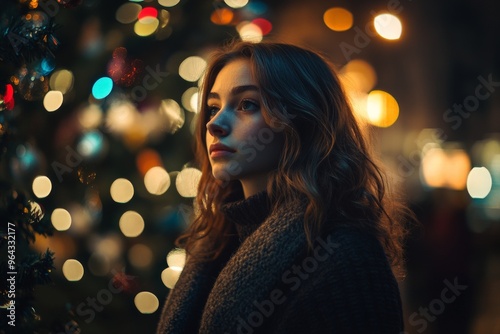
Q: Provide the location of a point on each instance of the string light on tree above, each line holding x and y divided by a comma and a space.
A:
42, 186
131, 224
61, 219
122, 190
72, 270
157, 180
53, 100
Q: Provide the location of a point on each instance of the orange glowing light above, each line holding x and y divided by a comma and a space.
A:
222, 16
148, 159
338, 19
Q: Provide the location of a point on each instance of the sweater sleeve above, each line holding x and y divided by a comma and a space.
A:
345, 286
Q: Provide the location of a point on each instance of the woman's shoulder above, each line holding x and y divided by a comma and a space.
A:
350, 250
344, 285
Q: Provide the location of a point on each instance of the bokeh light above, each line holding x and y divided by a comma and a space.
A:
121, 116
192, 68
53, 100
222, 16
358, 75
485, 152
110, 246
388, 26
479, 182
459, 166
168, 3
146, 302
164, 30
190, 99
26, 158
157, 181
236, 3
194, 101
359, 105
140, 256
187, 182
42, 186
176, 258
131, 224
61, 80
61, 219
148, 12
257, 7
147, 159
174, 116
91, 116
128, 12
72, 270
99, 265
91, 144
338, 19
122, 190
264, 25
81, 218
102, 88
382, 109
146, 26
445, 168
47, 65
170, 276
432, 168
249, 32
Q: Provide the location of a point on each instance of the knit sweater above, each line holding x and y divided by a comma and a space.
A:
269, 283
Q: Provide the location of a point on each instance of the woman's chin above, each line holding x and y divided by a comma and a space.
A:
222, 174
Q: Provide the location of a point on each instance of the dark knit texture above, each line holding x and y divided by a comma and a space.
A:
268, 283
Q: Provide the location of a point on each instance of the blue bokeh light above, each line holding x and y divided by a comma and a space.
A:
47, 65
257, 7
91, 144
102, 88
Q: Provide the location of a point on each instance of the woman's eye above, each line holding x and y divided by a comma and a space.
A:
212, 111
249, 105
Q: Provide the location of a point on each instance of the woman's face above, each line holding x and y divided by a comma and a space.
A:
240, 145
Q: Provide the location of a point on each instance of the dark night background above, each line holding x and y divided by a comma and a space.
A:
447, 48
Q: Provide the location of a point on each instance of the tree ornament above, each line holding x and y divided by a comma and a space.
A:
27, 38
7, 98
31, 84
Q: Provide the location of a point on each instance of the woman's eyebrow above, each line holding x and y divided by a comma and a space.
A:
235, 91
240, 89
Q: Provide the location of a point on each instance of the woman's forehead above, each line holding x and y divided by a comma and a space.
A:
235, 73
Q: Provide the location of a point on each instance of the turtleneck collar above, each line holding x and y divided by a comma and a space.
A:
247, 214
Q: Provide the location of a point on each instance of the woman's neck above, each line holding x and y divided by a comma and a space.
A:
254, 184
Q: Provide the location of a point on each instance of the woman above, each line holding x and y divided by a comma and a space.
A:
293, 232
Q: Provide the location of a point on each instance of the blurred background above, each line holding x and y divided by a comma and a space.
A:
98, 102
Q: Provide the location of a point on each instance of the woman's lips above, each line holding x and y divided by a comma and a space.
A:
220, 150
220, 153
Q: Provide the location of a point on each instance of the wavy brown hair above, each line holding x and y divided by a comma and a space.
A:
325, 158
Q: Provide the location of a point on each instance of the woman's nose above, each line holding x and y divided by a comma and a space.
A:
217, 127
